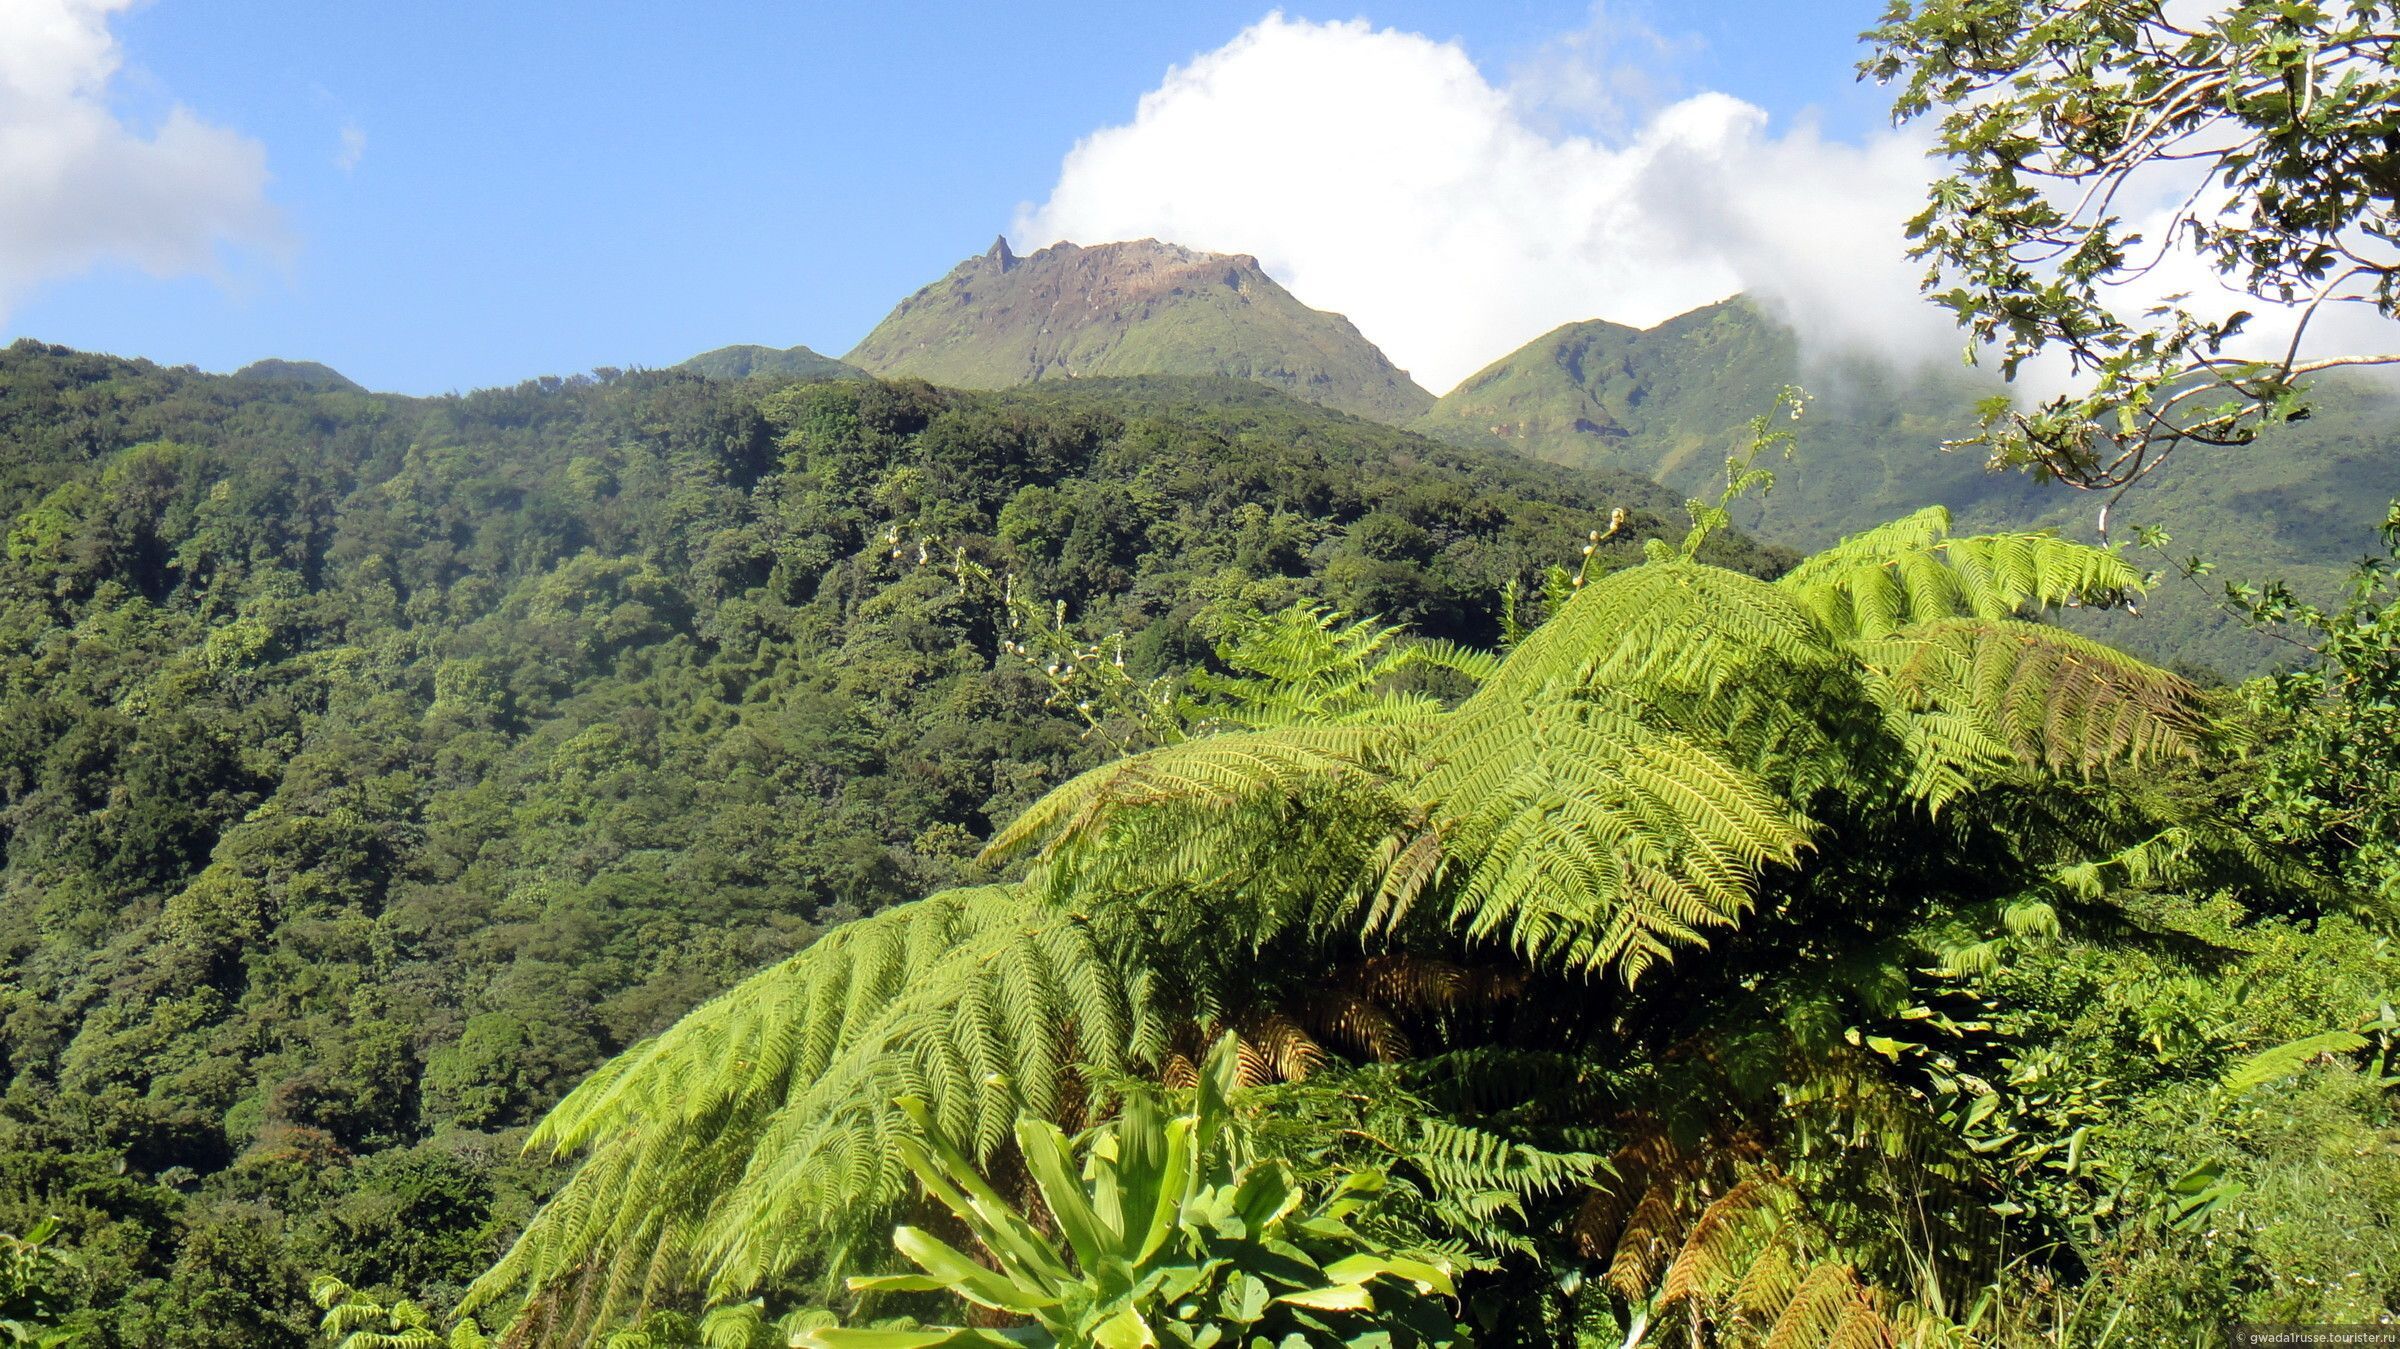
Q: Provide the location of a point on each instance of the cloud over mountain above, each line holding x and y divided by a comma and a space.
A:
83, 186
1381, 174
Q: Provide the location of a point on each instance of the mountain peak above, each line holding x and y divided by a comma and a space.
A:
1132, 307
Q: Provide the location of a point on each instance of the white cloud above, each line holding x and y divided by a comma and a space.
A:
354, 147
82, 187
1610, 75
1381, 174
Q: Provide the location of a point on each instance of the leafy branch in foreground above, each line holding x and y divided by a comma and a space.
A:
2097, 146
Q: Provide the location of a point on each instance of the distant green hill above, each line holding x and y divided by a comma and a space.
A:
1139, 308
310, 374
743, 360
1671, 402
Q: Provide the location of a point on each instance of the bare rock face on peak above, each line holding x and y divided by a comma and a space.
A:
1138, 308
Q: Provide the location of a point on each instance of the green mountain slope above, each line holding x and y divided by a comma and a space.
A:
1138, 308
1673, 400
744, 360
372, 767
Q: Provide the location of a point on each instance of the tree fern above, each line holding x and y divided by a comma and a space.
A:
1595, 840
1321, 865
761, 1129
1972, 695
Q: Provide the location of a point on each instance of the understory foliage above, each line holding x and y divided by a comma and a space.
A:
1674, 969
32, 1289
2332, 786
1166, 1235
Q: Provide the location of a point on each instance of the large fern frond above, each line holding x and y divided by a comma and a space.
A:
760, 1130
1914, 571
1671, 624
1971, 695
1210, 774
1588, 838
1731, 1249
1304, 665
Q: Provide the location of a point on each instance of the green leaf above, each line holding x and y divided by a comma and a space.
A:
949, 1177
895, 1283
1126, 1329
1244, 1298
1343, 1298
2286, 1060
1053, 1170
965, 1277
833, 1337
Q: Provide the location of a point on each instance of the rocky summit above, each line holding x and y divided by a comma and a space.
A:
1136, 308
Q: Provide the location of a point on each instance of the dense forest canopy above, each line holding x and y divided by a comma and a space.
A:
372, 768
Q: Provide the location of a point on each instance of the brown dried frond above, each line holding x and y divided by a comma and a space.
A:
1358, 1024
1271, 1047
1420, 984
1651, 1233
1727, 1238
1833, 1309
1768, 1285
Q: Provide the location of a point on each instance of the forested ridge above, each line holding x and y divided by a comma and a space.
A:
1669, 401
371, 767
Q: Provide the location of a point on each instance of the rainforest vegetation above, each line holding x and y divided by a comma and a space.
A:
1848, 957
375, 768
1641, 929
758, 855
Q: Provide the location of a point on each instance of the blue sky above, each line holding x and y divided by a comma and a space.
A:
457, 195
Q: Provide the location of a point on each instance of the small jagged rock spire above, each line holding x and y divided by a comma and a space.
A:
1000, 256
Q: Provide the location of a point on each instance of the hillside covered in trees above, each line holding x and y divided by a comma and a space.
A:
1669, 402
373, 768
